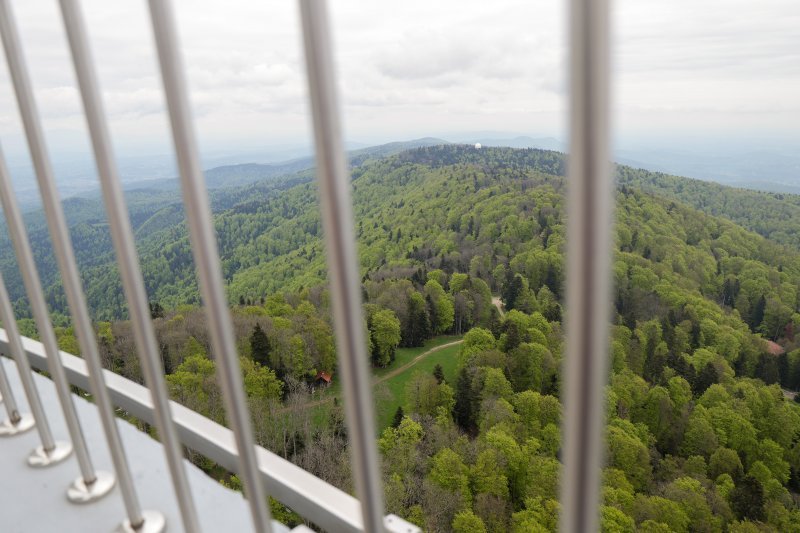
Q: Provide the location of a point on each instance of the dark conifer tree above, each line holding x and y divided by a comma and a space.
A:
553, 312
260, 347
747, 499
419, 324
767, 369
705, 378
434, 317
552, 281
654, 361
438, 373
682, 367
757, 316
156, 311
166, 360
463, 412
514, 337
495, 322
727, 292
398, 417
511, 289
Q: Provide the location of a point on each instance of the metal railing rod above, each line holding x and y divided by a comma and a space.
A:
8, 397
343, 269
12, 409
33, 288
589, 245
50, 452
127, 259
65, 257
204, 248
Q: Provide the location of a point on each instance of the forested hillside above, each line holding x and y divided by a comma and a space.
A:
157, 217
700, 435
270, 243
773, 215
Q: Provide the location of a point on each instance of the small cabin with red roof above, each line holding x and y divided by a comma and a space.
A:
323, 378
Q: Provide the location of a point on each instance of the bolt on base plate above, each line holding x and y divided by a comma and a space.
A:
154, 522
40, 458
9, 428
80, 492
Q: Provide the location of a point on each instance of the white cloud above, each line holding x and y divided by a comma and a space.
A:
418, 68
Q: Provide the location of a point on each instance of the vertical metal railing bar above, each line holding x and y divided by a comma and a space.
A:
17, 422
33, 288
10, 402
127, 259
343, 268
49, 452
12, 409
8, 398
589, 245
65, 257
206, 257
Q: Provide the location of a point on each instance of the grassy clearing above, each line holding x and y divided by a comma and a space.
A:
402, 357
406, 355
391, 394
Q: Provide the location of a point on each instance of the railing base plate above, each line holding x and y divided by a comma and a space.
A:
395, 524
154, 522
9, 428
80, 492
41, 458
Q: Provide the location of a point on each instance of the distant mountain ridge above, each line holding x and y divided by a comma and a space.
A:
246, 173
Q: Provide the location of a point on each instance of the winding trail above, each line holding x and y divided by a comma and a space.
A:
417, 359
397, 371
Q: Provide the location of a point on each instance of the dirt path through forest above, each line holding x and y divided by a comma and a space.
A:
417, 359
393, 373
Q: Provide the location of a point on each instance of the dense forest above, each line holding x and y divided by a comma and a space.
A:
269, 230
701, 434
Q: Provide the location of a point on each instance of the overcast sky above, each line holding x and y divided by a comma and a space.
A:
686, 68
